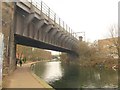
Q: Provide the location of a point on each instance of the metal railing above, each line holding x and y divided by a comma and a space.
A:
52, 15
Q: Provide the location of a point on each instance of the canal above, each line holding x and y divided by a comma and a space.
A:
60, 75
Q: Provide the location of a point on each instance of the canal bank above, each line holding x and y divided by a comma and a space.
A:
60, 75
22, 77
40, 80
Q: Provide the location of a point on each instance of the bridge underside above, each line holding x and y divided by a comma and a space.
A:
38, 44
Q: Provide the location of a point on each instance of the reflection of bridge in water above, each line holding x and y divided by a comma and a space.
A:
36, 25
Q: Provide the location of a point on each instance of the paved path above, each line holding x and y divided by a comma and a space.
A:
22, 78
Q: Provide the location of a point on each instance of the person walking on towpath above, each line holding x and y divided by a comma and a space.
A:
20, 62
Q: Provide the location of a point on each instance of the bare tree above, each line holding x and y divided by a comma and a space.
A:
115, 39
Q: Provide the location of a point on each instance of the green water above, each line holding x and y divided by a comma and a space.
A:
74, 76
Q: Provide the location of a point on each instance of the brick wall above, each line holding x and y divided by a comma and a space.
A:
33, 53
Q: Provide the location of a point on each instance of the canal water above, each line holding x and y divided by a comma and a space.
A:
73, 76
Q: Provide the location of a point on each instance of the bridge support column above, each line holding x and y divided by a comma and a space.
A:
12, 52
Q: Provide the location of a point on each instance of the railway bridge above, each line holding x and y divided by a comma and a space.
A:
35, 24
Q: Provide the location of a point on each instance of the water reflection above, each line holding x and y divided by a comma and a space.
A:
72, 76
53, 72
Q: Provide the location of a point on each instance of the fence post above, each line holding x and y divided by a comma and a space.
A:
63, 25
69, 30
54, 18
48, 13
41, 6
36, 4
59, 22
66, 27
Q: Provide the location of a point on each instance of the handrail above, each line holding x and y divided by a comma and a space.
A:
39, 4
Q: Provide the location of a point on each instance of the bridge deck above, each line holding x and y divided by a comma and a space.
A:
22, 78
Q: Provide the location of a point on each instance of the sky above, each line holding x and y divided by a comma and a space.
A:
94, 17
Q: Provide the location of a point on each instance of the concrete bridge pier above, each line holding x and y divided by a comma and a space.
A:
12, 42
12, 53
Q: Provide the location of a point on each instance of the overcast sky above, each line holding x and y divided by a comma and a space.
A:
94, 17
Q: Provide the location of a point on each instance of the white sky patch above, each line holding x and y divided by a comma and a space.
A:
54, 52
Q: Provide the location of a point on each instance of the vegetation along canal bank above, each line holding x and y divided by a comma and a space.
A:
95, 55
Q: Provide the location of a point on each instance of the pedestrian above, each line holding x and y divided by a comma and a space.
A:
20, 62
24, 59
17, 61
